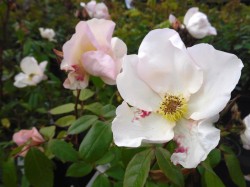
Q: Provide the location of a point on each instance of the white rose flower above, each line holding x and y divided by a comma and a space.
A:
174, 93
47, 33
97, 10
32, 73
245, 136
197, 24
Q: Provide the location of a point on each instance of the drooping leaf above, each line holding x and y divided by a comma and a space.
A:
96, 142
38, 169
82, 124
138, 168
79, 169
63, 151
65, 121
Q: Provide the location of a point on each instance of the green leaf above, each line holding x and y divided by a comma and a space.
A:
234, 169
79, 169
108, 111
84, 94
65, 121
171, 171
214, 157
211, 179
116, 172
101, 181
96, 108
107, 158
82, 124
62, 150
66, 108
138, 168
38, 169
9, 173
48, 132
96, 142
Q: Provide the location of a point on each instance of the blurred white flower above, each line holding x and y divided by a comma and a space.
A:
129, 4
245, 136
197, 24
47, 33
32, 74
96, 10
176, 93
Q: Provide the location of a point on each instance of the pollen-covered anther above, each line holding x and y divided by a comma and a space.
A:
173, 107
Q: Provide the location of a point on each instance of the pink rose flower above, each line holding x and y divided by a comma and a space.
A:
23, 136
92, 51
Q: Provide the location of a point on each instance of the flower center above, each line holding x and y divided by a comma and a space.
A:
173, 107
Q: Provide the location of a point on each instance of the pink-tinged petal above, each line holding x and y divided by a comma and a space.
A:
90, 7
102, 30
36, 136
82, 41
189, 14
172, 19
101, 11
221, 74
100, 64
119, 48
76, 81
132, 127
133, 90
195, 140
29, 66
165, 65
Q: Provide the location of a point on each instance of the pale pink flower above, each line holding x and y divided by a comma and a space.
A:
92, 51
197, 24
28, 138
176, 93
96, 10
245, 136
33, 73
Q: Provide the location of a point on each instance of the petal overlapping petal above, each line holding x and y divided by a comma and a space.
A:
29, 66
195, 140
133, 90
165, 65
132, 127
221, 73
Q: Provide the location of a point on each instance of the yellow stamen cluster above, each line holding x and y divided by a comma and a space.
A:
173, 107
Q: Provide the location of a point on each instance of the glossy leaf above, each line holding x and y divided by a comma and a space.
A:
48, 132
84, 94
171, 171
38, 169
65, 121
62, 109
63, 151
96, 142
96, 108
101, 181
79, 169
138, 168
82, 124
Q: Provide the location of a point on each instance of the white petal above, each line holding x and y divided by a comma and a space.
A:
245, 136
165, 65
119, 48
172, 18
19, 80
133, 90
195, 140
131, 128
221, 74
43, 65
29, 66
189, 14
